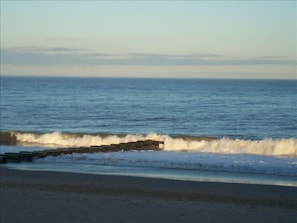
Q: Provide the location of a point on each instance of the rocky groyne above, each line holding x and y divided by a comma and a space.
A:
29, 156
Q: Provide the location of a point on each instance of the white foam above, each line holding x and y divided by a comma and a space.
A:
60, 139
274, 147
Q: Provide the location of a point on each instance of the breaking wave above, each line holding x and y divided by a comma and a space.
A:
270, 147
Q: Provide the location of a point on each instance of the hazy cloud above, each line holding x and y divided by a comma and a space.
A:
35, 55
150, 55
49, 49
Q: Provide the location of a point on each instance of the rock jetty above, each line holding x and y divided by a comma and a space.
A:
25, 156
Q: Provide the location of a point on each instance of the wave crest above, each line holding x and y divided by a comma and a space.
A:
270, 147
274, 147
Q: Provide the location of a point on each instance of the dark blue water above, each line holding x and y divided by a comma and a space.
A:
245, 109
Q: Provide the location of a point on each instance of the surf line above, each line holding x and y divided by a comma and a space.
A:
121, 147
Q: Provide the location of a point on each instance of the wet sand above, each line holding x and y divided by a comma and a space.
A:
33, 196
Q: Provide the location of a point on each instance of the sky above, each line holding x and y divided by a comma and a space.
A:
176, 39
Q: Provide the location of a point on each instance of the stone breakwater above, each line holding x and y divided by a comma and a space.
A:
29, 156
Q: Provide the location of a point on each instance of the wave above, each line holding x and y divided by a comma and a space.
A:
270, 147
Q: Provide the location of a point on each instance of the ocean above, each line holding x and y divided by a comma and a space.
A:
242, 131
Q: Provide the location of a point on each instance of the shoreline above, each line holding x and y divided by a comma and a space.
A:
76, 197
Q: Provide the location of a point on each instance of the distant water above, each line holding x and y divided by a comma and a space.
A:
219, 130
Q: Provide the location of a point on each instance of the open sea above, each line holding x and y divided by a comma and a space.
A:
242, 131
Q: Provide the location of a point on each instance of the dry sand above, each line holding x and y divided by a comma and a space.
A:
32, 196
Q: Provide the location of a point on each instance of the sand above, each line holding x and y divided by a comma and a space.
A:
33, 196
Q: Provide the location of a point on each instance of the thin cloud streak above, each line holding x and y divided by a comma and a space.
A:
33, 49
150, 55
39, 56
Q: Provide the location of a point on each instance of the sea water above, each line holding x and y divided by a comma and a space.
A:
215, 130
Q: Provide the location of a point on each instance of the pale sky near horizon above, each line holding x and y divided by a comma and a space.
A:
191, 39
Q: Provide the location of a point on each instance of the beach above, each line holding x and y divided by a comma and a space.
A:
35, 196
148, 111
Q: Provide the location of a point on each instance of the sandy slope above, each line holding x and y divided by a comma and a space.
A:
67, 197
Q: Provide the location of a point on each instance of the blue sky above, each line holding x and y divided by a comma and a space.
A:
195, 39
